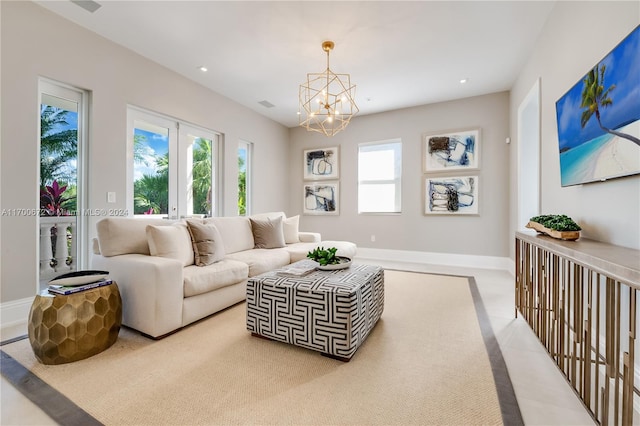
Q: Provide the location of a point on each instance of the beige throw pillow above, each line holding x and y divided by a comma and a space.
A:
208, 247
290, 229
171, 241
267, 233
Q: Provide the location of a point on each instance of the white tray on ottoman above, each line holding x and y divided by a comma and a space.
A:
327, 311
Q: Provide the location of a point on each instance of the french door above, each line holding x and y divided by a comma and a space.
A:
63, 134
173, 170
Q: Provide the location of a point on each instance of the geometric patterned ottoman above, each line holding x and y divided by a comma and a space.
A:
327, 311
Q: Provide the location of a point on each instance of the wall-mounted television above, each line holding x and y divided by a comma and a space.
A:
599, 119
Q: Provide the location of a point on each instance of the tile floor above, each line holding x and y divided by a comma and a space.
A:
545, 398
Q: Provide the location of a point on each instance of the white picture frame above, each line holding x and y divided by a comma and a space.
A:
457, 150
451, 195
321, 198
321, 163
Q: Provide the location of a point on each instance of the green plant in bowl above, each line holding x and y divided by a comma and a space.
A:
557, 222
324, 257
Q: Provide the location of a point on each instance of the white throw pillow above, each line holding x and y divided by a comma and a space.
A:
290, 229
172, 241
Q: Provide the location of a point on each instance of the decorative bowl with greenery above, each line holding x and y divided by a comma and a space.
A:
327, 259
324, 257
558, 226
557, 222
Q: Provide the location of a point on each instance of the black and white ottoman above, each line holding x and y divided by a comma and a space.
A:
328, 311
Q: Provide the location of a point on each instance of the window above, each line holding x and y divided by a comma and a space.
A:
151, 141
244, 178
174, 172
379, 177
197, 155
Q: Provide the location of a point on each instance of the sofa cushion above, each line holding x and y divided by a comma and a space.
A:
208, 246
290, 229
235, 231
170, 241
125, 235
262, 260
199, 280
267, 233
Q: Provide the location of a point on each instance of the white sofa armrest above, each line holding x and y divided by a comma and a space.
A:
152, 290
309, 237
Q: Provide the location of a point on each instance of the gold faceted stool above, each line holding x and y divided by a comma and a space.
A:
67, 328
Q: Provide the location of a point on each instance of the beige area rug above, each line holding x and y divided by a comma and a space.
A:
425, 362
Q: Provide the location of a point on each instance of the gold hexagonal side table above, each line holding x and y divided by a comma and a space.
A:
67, 328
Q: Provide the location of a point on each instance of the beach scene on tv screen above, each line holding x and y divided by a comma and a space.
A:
599, 119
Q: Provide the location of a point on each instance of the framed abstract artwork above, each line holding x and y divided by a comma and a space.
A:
451, 151
321, 198
455, 195
321, 163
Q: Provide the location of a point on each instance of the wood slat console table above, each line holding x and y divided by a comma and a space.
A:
580, 298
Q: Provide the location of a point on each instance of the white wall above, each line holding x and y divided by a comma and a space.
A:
484, 234
37, 43
576, 36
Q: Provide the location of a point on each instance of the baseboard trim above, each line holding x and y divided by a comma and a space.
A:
445, 259
15, 313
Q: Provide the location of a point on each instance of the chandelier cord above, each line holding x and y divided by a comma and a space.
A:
326, 95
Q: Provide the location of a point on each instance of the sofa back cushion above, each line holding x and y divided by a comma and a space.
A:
172, 242
235, 231
125, 235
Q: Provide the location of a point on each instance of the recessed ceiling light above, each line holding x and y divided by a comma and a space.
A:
203, 68
463, 80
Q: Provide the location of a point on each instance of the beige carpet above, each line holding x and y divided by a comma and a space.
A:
425, 362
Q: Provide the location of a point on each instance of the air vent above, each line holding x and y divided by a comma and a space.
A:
88, 5
266, 104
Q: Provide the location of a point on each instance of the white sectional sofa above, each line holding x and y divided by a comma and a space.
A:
155, 263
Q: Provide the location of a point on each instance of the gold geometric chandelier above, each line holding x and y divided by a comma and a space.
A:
327, 100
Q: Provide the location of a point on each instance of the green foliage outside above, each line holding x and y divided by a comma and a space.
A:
57, 149
202, 197
151, 191
242, 187
151, 194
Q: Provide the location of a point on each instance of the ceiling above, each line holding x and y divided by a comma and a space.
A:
399, 54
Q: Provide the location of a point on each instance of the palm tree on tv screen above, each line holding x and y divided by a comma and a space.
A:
595, 97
